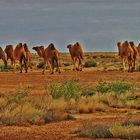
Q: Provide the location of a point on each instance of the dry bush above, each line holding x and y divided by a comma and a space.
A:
122, 131
21, 108
90, 63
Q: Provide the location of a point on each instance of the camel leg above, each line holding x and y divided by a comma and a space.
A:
5, 63
21, 65
134, 63
74, 60
80, 66
13, 63
29, 63
25, 65
123, 62
58, 69
50, 66
52, 72
130, 64
45, 65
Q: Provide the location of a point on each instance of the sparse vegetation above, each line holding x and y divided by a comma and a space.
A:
90, 63
40, 65
116, 87
5, 69
122, 131
67, 89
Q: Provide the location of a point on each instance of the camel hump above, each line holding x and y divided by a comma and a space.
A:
52, 46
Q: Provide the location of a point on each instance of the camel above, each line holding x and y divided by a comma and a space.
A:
50, 56
136, 54
138, 48
127, 54
3, 56
17, 54
28, 55
76, 52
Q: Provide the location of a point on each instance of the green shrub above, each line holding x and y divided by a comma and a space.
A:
67, 64
67, 89
5, 69
90, 63
116, 87
40, 65
102, 87
138, 68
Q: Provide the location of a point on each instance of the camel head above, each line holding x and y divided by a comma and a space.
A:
77, 43
125, 44
69, 46
1, 52
131, 43
39, 50
119, 46
25, 47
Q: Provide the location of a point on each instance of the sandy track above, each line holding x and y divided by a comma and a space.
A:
37, 80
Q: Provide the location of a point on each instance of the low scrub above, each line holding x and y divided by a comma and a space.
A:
5, 69
67, 89
122, 131
21, 108
90, 63
116, 87
40, 65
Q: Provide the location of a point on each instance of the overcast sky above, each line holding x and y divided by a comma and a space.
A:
96, 24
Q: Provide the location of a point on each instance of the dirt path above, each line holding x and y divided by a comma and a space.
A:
37, 80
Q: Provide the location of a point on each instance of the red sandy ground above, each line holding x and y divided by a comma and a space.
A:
60, 130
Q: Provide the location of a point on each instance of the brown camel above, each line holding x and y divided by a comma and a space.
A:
50, 56
76, 52
17, 54
127, 54
136, 54
28, 55
138, 48
3, 56
10, 53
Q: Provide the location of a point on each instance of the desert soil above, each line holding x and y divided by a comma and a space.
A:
60, 130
